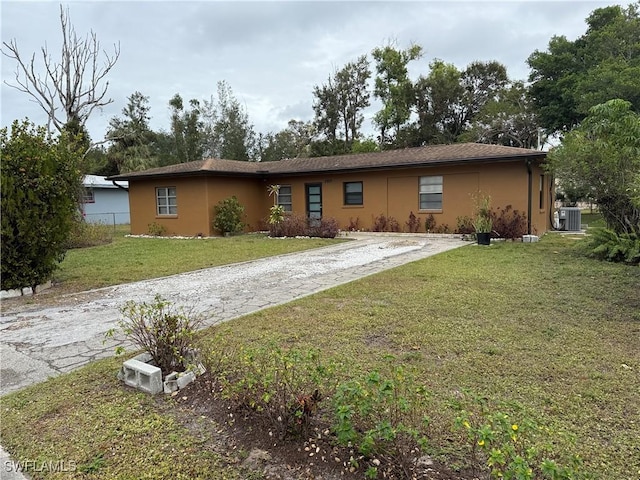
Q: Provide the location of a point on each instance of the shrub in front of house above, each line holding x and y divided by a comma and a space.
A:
326, 228
413, 224
162, 330
382, 223
228, 216
509, 223
298, 226
464, 225
291, 226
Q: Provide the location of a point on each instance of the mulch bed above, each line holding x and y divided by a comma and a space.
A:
244, 439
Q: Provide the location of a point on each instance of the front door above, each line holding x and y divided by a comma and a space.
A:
314, 202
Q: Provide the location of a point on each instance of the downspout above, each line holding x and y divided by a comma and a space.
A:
120, 186
530, 188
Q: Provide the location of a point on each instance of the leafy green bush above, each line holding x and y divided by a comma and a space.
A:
162, 330
276, 214
281, 386
228, 216
156, 229
40, 188
510, 445
84, 234
383, 418
606, 244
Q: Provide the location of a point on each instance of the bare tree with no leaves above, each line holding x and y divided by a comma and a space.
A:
71, 88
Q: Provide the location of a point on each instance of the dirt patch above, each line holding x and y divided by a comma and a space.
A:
56, 296
243, 439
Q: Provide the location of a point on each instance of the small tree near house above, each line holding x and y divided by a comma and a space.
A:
41, 182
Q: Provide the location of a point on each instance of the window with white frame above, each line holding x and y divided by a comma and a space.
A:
353, 193
431, 192
166, 203
284, 197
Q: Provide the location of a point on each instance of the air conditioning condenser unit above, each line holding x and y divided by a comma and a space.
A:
570, 218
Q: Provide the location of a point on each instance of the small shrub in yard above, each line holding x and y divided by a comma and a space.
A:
85, 234
354, 225
326, 228
383, 418
281, 386
156, 230
510, 446
162, 330
430, 223
382, 223
228, 216
413, 224
464, 225
431, 226
297, 226
606, 244
290, 226
509, 223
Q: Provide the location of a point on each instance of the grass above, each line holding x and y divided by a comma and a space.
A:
129, 259
592, 219
526, 323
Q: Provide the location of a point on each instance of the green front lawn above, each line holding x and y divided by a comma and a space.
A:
129, 259
514, 322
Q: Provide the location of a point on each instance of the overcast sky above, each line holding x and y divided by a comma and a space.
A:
273, 53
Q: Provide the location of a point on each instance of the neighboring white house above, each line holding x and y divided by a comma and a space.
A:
105, 202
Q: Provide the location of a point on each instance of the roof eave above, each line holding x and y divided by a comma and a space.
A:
528, 154
405, 166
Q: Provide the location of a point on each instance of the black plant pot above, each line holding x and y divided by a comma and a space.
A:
484, 238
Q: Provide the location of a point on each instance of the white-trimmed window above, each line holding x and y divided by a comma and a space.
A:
284, 198
353, 193
166, 201
431, 192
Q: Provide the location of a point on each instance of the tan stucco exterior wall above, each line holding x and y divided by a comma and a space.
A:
394, 193
195, 197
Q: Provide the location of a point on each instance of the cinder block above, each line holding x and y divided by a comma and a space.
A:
142, 376
530, 238
171, 383
185, 379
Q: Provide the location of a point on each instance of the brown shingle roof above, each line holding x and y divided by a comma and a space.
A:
408, 157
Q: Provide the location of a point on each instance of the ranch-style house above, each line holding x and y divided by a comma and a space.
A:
438, 180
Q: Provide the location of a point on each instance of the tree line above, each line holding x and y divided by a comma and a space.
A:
445, 106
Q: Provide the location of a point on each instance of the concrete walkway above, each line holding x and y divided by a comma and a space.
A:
37, 343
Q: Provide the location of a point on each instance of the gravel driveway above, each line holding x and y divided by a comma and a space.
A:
36, 342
